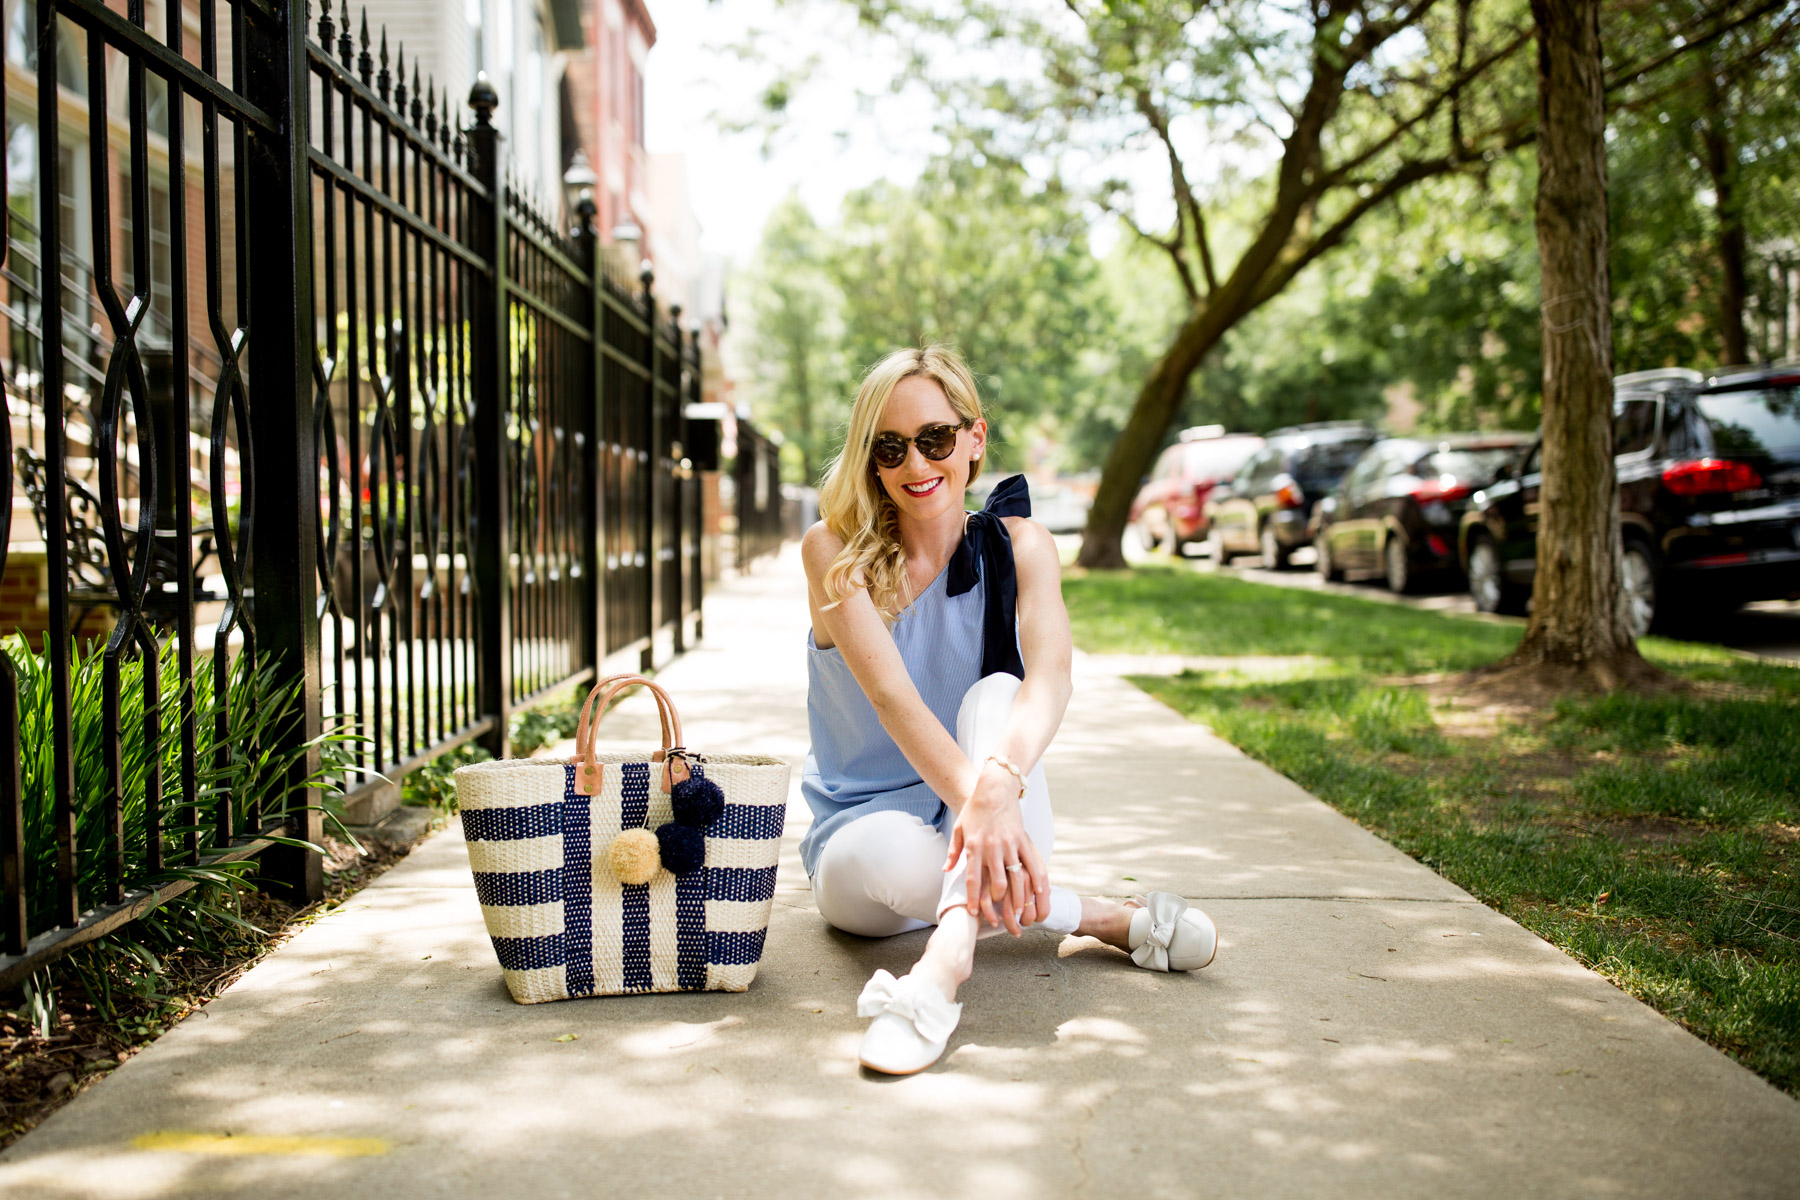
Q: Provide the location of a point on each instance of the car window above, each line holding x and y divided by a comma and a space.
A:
1473, 467
1364, 470
1268, 469
1680, 438
1634, 424
1754, 421
1380, 461
1320, 466
1401, 458
1168, 464
1220, 459
1534, 462
1254, 470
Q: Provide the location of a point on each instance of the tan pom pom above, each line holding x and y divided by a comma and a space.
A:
633, 856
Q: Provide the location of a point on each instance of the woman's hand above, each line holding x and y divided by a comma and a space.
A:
991, 830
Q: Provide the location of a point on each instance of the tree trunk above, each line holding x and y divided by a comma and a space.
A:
1722, 166
1578, 637
1158, 404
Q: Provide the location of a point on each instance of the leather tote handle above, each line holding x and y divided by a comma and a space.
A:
587, 771
671, 720
604, 691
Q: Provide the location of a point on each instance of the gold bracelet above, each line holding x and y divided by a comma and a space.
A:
1006, 764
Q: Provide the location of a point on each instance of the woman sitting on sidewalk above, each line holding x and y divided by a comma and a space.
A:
926, 619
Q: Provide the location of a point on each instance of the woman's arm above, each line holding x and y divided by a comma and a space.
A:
861, 636
1044, 641
991, 826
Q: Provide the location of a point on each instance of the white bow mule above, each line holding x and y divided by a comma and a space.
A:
1169, 934
912, 1023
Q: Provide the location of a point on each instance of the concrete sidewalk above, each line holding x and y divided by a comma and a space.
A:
1368, 1028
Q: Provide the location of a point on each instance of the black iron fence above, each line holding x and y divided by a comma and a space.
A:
316, 399
760, 526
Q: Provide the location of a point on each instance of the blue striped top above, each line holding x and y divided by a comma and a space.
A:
854, 768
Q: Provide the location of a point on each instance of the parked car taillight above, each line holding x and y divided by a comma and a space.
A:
1710, 476
1427, 490
1288, 496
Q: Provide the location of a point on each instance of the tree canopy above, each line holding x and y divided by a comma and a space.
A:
975, 255
1350, 207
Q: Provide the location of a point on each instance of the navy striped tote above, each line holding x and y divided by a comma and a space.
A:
613, 874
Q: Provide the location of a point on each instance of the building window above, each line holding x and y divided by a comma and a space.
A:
23, 202
475, 13
71, 42
162, 257
637, 106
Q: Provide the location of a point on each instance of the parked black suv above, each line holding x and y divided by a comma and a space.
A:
1709, 498
1395, 515
1265, 509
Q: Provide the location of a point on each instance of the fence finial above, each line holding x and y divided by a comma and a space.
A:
483, 99
400, 80
346, 50
444, 122
383, 81
365, 63
430, 109
418, 109
326, 28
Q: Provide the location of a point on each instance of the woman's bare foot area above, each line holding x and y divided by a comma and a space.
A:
1107, 920
949, 957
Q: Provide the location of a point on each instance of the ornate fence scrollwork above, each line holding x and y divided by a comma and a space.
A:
399, 276
467, 435
112, 446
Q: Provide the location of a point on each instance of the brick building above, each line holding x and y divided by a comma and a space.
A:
570, 75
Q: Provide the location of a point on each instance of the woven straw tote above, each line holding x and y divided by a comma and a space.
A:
589, 883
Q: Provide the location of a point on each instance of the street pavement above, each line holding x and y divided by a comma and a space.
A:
1367, 1029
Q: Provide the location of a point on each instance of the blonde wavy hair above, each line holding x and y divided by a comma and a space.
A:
852, 502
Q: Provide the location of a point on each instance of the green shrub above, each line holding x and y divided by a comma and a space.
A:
433, 785
242, 770
534, 728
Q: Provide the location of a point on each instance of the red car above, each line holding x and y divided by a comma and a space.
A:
1170, 509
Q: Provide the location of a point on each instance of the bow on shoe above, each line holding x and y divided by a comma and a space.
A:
1165, 920
933, 1016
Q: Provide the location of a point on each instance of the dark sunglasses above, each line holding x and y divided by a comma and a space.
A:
935, 442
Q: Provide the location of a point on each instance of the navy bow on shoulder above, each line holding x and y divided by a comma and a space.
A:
986, 553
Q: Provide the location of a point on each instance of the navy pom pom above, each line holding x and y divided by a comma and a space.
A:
683, 849
698, 802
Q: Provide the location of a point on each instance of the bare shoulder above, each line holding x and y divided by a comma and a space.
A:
819, 548
1035, 556
1033, 545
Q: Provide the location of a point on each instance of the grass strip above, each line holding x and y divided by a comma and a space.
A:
1654, 838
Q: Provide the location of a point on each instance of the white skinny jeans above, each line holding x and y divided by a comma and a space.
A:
884, 874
